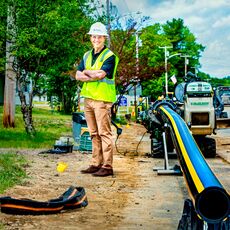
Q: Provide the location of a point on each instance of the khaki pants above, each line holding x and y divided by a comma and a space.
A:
98, 118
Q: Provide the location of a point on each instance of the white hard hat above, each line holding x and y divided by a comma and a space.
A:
98, 29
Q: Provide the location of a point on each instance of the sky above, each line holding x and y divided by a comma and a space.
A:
208, 20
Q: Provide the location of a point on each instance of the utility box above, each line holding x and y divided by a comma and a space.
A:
82, 140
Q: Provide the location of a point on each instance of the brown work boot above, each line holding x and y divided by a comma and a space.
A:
91, 169
103, 172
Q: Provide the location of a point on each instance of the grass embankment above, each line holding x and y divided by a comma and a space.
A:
49, 126
12, 170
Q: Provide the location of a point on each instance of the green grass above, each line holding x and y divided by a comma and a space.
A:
1, 226
49, 126
12, 170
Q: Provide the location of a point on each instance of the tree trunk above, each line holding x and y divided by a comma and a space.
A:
27, 112
9, 98
10, 75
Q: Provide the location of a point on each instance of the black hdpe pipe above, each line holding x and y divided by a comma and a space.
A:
210, 199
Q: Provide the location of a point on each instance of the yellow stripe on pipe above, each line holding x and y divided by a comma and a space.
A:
191, 169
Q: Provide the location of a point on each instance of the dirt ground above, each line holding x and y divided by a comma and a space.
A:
136, 197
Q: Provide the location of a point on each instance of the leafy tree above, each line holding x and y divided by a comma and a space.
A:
153, 87
3, 17
172, 33
66, 32
47, 43
123, 44
151, 57
183, 42
215, 82
151, 65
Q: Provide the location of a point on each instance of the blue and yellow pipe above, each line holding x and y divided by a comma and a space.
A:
210, 199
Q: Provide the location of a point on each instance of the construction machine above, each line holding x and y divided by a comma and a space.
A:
186, 124
196, 102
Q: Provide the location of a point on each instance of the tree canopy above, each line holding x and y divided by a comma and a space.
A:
50, 37
49, 41
151, 58
46, 42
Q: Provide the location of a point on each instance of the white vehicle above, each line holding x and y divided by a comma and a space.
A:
197, 109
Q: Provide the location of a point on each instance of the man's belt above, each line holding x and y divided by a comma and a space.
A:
74, 197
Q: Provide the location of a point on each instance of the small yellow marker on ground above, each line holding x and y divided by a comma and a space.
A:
61, 167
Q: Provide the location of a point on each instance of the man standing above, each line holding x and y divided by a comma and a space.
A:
97, 70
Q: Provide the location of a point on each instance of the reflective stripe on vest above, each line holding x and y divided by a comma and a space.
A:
104, 89
108, 81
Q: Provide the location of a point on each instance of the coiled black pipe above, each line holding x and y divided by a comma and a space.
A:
211, 200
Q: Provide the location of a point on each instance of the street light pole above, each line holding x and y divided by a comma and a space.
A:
166, 69
167, 57
185, 63
137, 73
137, 53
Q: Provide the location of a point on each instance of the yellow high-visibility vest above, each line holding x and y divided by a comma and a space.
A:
104, 89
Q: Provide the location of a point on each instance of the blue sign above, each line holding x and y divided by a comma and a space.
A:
123, 101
